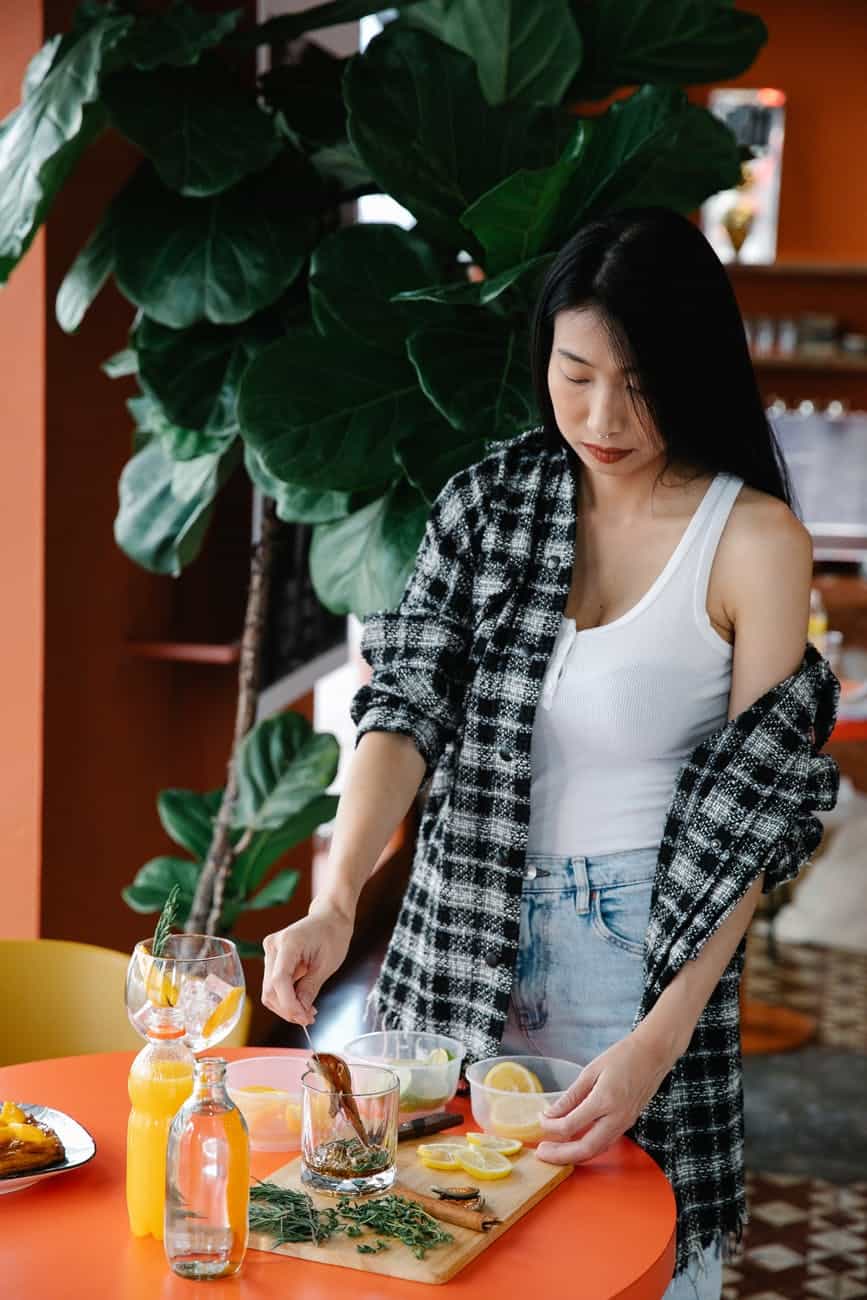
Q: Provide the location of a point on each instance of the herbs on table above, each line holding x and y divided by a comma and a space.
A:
287, 1216
394, 1216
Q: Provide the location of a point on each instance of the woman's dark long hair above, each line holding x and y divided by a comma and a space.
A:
670, 310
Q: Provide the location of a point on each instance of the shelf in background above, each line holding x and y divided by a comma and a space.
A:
186, 652
797, 361
813, 270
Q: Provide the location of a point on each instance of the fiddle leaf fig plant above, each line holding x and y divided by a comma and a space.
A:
347, 370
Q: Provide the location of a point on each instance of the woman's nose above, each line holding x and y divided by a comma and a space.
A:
605, 415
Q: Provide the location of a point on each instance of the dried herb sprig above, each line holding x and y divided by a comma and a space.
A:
168, 916
394, 1216
287, 1215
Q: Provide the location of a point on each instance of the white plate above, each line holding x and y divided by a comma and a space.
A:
79, 1147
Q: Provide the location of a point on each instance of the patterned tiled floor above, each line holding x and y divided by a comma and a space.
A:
806, 1237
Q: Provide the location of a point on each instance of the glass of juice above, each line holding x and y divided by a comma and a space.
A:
349, 1140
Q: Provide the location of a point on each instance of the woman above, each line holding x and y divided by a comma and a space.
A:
600, 663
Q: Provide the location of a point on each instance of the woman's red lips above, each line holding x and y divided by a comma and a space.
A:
607, 454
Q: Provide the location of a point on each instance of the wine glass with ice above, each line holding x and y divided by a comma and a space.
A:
199, 973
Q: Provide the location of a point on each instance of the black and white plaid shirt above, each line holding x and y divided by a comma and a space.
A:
458, 666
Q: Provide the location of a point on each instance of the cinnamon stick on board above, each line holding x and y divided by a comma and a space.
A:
452, 1211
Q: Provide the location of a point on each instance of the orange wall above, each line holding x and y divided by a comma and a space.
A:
22, 512
816, 54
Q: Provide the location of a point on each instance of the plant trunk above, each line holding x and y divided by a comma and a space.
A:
207, 905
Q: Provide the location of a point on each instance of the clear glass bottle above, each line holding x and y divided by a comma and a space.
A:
160, 1081
207, 1179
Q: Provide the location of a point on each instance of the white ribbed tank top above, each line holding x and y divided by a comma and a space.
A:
623, 705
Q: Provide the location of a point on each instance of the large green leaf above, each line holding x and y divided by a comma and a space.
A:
279, 889
524, 278
354, 275
182, 260
179, 443
166, 506
177, 37
150, 888
85, 277
341, 165
307, 92
42, 139
268, 846
296, 505
363, 562
421, 124
201, 136
654, 147
282, 766
430, 463
193, 374
326, 415
40, 65
683, 42
188, 817
525, 53
288, 27
477, 373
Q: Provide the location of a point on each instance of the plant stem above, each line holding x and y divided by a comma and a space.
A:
207, 905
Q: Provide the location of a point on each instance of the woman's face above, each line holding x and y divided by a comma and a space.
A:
598, 407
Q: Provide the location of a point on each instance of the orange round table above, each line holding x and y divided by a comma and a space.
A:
607, 1231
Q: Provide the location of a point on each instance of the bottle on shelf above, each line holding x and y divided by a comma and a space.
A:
207, 1180
159, 1083
817, 627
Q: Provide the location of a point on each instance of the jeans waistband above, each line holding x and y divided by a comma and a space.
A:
548, 871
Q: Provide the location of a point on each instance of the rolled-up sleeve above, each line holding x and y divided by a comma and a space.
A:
419, 651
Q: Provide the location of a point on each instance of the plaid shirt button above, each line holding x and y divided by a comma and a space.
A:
505, 755
493, 957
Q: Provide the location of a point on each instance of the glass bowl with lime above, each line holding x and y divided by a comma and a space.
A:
427, 1065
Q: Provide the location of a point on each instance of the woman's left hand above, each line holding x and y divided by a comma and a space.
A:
604, 1101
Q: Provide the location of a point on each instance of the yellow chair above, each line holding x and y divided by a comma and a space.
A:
67, 999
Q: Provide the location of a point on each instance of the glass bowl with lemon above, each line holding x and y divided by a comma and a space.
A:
509, 1093
267, 1092
427, 1065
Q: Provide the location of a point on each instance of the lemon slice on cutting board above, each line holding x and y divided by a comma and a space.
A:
484, 1163
506, 1146
441, 1155
511, 1076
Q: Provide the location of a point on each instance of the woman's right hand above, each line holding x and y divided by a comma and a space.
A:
300, 958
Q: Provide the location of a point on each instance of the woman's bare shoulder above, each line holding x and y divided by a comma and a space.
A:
760, 521
764, 544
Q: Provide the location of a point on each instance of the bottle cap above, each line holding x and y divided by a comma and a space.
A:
166, 1022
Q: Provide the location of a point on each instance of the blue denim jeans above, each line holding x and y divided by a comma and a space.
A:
578, 978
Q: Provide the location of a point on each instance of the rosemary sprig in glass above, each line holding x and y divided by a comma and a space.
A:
168, 916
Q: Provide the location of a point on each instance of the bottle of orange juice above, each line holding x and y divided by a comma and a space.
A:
160, 1081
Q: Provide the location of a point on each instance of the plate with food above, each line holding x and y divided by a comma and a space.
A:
39, 1142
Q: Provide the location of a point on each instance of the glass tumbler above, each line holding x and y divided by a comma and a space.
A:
334, 1158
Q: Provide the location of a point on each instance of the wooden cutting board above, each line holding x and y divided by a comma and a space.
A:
508, 1199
